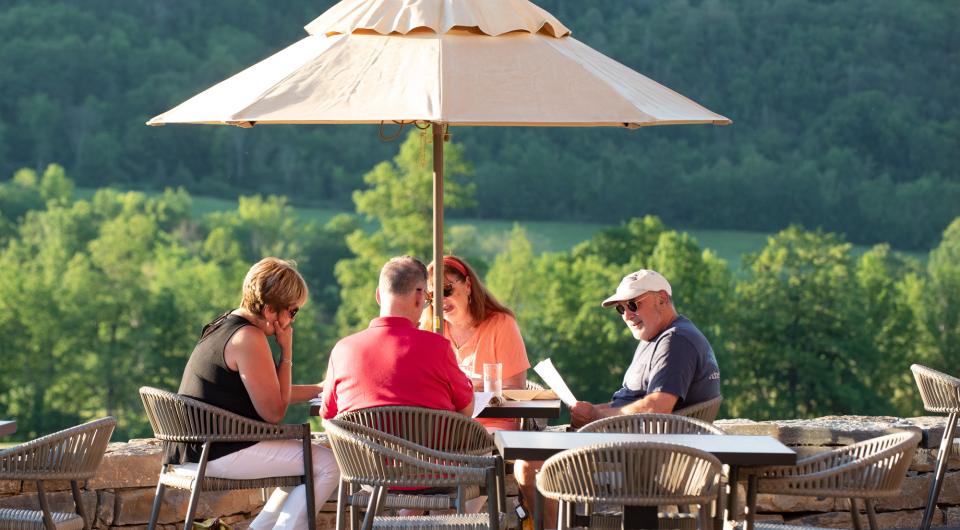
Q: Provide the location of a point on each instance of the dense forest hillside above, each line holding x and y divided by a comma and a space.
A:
846, 113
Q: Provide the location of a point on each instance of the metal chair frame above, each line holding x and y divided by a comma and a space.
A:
629, 474
649, 423
865, 470
180, 419
439, 430
373, 458
940, 393
72, 454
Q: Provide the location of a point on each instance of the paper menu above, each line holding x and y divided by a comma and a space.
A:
552, 378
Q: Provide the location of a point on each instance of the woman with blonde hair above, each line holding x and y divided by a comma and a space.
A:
481, 330
232, 367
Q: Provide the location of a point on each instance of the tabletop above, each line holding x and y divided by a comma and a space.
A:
546, 408
735, 450
7, 427
540, 408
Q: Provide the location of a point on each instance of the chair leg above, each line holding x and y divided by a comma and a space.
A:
493, 509
462, 499
751, 501
157, 501
871, 515
855, 514
342, 509
78, 501
372, 506
197, 486
354, 512
501, 485
563, 523
943, 455
308, 479
45, 507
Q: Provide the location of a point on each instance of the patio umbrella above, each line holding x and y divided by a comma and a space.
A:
444, 63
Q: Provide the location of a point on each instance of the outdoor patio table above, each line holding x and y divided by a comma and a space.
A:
524, 410
7, 427
735, 451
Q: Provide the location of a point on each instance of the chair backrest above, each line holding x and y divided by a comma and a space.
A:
632, 474
651, 424
177, 418
940, 392
704, 411
71, 454
868, 469
437, 429
372, 457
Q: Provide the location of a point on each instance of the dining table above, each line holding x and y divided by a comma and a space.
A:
522, 409
737, 451
7, 427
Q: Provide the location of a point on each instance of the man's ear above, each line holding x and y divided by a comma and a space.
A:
377, 295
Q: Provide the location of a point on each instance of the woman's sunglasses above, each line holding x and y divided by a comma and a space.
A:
447, 291
293, 312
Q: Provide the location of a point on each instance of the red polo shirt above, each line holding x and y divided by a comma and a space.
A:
394, 363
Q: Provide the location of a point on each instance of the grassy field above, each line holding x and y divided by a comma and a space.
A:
545, 236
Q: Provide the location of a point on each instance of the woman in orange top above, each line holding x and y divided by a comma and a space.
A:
481, 330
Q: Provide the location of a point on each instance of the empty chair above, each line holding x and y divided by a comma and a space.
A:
940, 393
439, 430
866, 470
705, 411
177, 418
647, 423
370, 457
633, 474
73, 454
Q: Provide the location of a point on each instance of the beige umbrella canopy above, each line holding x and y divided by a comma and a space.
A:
444, 62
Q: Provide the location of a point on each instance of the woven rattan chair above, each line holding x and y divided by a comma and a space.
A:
628, 474
370, 457
650, 424
179, 419
439, 430
940, 393
866, 470
73, 454
705, 411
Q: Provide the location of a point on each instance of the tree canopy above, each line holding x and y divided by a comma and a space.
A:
846, 116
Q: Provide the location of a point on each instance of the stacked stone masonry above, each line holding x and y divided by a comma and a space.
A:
122, 493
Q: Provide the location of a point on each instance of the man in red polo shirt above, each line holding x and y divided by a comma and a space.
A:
392, 362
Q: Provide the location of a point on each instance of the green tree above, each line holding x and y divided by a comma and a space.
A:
941, 299
798, 347
399, 203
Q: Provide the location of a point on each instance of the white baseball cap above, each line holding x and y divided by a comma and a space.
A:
637, 283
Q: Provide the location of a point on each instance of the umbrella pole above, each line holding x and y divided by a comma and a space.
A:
437, 227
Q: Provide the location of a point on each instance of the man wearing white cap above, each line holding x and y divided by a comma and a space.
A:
673, 365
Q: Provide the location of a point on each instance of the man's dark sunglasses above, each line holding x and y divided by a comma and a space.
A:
632, 305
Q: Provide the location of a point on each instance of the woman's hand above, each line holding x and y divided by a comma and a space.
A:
284, 336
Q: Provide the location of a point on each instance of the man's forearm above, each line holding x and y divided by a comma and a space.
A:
657, 402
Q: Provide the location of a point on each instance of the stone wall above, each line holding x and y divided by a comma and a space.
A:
121, 494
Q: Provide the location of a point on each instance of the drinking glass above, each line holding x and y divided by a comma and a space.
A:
493, 378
